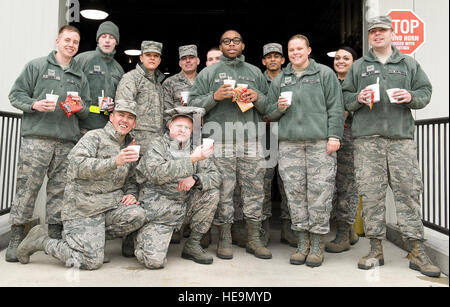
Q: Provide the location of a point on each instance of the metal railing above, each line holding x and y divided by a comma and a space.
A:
10, 124
432, 140
431, 137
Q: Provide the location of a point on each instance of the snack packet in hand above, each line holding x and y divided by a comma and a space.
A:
70, 106
240, 97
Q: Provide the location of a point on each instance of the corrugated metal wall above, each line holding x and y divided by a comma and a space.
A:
28, 29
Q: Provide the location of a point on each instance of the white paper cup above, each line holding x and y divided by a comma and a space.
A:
288, 96
241, 85
376, 89
136, 148
390, 93
52, 98
185, 96
72, 94
208, 142
231, 82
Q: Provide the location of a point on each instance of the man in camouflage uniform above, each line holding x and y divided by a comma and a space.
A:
48, 134
385, 151
100, 197
173, 86
174, 179
143, 85
182, 81
103, 73
238, 153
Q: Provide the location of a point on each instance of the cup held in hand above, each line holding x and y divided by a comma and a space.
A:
376, 91
231, 82
185, 96
136, 148
390, 93
287, 96
208, 142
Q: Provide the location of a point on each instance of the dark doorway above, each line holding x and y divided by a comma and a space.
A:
327, 24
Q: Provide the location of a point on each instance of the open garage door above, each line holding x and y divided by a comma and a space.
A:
327, 23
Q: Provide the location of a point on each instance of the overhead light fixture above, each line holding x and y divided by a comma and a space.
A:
94, 14
167, 73
133, 52
332, 54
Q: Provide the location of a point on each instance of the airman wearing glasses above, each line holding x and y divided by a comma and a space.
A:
236, 164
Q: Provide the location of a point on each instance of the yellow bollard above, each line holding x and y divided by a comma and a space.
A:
359, 226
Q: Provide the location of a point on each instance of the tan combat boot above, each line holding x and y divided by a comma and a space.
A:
419, 260
193, 251
254, 244
342, 241
287, 234
303, 247
375, 256
35, 241
224, 245
315, 256
17, 235
239, 233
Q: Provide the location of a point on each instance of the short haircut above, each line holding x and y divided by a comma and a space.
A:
70, 29
221, 37
349, 50
213, 49
300, 36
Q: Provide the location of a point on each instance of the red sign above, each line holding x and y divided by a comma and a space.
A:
409, 30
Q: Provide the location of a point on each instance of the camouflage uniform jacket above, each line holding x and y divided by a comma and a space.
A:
158, 173
40, 77
95, 183
145, 88
391, 120
103, 73
173, 86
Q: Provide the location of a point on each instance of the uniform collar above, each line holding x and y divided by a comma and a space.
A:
106, 56
238, 60
114, 135
395, 57
158, 75
310, 70
51, 58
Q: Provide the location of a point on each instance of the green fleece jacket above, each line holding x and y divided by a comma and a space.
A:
392, 120
316, 111
40, 77
226, 113
103, 73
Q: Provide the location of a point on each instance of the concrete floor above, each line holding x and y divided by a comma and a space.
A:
244, 270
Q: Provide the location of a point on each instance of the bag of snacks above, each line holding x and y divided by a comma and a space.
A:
70, 106
240, 97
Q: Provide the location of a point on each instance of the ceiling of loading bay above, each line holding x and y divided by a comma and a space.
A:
175, 23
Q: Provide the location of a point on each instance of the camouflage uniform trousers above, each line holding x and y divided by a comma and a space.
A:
381, 162
243, 167
153, 239
346, 200
39, 157
267, 205
83, 243
308, 173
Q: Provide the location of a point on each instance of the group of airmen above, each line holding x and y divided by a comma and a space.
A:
141, 170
